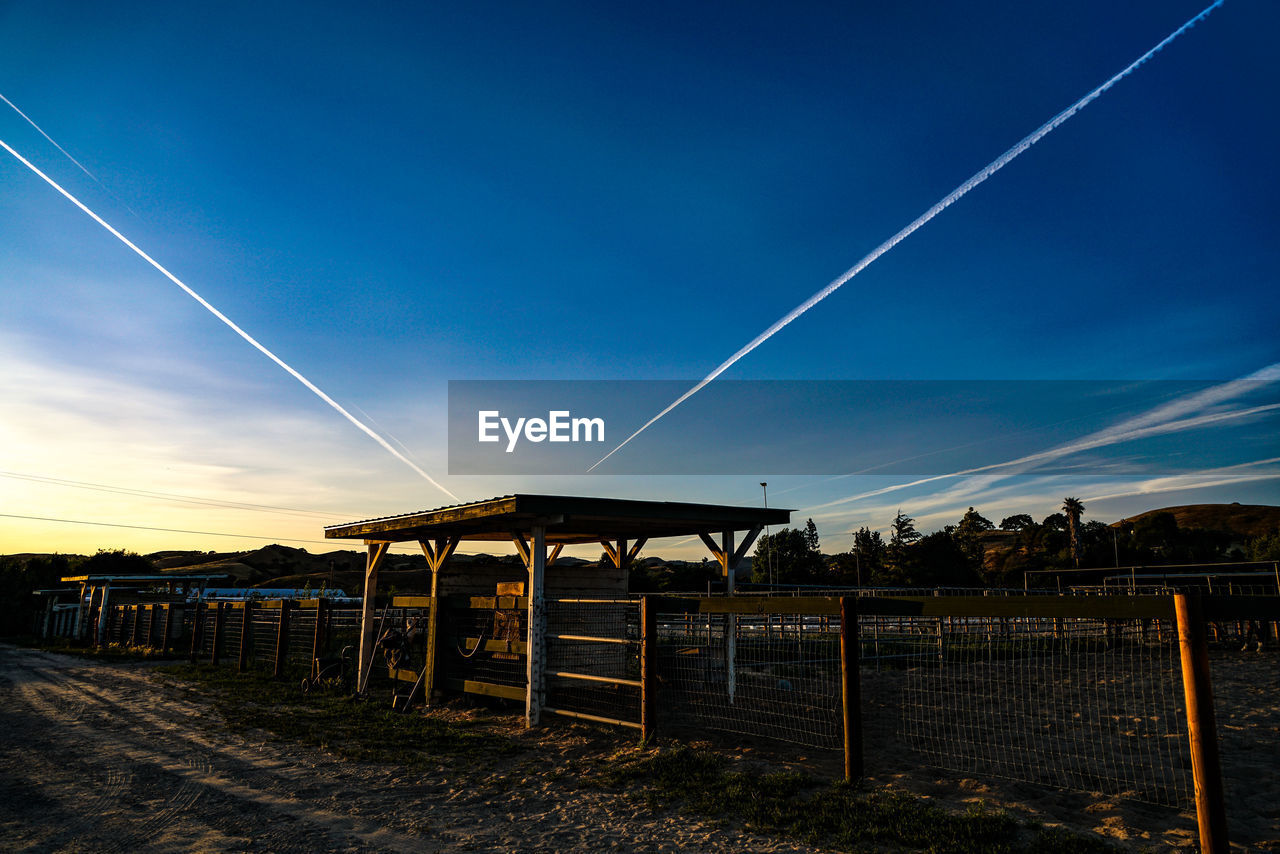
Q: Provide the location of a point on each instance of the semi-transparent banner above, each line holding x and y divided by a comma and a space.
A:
887, 427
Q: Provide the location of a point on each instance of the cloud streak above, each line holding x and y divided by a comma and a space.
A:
231, 324
954, 196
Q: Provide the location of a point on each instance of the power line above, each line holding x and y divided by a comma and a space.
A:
163, 530
166, 496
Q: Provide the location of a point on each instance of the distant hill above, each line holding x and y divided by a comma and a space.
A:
1245, 520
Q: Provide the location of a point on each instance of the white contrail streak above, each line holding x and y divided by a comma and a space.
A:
53, 141
1172, 417
995, 166
245, 335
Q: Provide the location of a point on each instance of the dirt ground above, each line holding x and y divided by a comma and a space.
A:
102, 757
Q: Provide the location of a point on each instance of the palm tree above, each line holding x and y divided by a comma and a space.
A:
1073, 508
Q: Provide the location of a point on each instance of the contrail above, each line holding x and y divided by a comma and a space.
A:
1172, 417
31, 122
67, 154
995, 166
245, 335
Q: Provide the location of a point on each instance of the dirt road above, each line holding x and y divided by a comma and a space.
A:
100, 756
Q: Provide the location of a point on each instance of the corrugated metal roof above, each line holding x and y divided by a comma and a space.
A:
420, 512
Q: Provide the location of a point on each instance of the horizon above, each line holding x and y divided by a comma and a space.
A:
390, 202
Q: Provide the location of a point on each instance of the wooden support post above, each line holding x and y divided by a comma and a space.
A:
648, 667
197, 630
731, 620
103, 614
282, 637
219, 620
1211, 810
167, 628
851, 688
137, 621
377, 551
246, 635
318, 640
535, 644
80, 611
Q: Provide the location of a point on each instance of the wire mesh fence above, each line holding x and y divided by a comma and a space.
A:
593, 658
771, 676
1085, 704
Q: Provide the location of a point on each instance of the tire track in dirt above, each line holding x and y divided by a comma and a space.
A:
137, 752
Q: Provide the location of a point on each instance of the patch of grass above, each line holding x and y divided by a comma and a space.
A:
368, 731
110, 652
838, 815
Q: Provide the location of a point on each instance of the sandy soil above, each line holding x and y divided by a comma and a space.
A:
96, 756
1246, 687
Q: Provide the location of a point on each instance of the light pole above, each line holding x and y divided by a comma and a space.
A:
768, 549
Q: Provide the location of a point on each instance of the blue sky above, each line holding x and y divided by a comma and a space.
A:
393, 197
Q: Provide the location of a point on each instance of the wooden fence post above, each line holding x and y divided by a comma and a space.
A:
166, 627
1211, 810
197, 630
319, 639
282, 638
851, 688
219, 620
246, 635
648, 671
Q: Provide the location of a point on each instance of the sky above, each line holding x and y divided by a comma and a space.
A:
393, 197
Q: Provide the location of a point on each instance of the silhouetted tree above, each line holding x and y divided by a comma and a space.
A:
1073, 508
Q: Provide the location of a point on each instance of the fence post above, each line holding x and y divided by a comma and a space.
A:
282, 638
429, 654
197, 630
219, 620
1211, 811
318, 640
166, 626
648, 672
851, 688
246, 633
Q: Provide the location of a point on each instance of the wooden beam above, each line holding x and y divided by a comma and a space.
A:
611, 552
711, 544
635, 550
432, 646
522, 547
555, 553
373, 560
282, 637
246, 635
648, 667
745, 544
1206, 771
535, 659
851, 689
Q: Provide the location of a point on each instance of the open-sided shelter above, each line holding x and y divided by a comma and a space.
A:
540, 526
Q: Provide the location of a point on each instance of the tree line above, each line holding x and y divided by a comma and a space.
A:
974, 552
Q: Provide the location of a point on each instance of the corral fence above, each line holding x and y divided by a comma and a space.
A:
1097, 693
